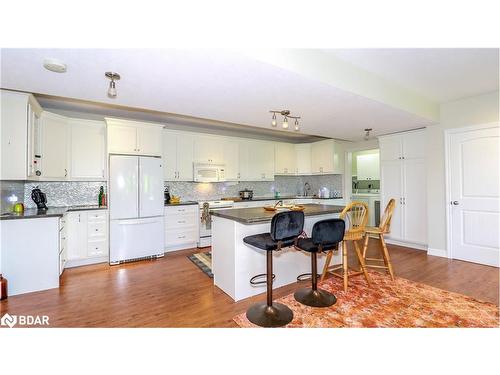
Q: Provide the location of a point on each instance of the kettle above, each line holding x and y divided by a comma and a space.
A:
39, 198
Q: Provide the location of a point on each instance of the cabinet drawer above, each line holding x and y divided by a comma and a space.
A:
181, 221
180, 236
97, 248
96, 216
181, 210
96, 229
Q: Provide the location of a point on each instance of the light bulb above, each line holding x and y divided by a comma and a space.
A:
273, 122
297, 125
285, 123
112, 90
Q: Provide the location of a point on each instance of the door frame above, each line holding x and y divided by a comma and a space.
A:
447, 165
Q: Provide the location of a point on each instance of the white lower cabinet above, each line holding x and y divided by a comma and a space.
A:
63, 244
87, 237
181, 227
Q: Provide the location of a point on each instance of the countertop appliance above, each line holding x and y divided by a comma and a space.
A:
206, 221
39, 198
166, 195
246, 194
209, 172
135, 208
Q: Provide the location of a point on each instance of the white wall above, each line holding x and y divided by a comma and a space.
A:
475, 110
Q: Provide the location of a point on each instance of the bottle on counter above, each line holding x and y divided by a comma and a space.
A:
3, 288
101, 196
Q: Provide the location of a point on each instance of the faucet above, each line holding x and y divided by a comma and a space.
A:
278, 203
307, 188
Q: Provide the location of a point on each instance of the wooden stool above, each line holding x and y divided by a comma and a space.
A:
383, 228
356, 214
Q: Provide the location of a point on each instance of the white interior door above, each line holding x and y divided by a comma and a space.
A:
150, 187
474, 195
123, 189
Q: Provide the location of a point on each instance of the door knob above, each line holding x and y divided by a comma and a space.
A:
455, 203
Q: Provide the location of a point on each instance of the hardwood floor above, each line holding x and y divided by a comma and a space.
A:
173, 292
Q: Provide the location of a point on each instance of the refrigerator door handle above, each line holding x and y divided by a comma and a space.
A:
138, 221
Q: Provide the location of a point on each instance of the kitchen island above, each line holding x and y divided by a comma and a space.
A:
234, 263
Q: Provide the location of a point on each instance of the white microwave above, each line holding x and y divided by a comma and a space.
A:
209, 172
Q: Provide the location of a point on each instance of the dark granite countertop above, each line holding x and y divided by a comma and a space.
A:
282, 198
185, 203
33, 213
253, 215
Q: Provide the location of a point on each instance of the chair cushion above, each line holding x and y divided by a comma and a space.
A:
265, 242
307, 244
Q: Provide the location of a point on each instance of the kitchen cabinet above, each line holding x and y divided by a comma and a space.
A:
63, 244
87, 237
368, 167
403, 177
178, 156
230, 159
260, 161
303, 159
181, 227
327, 157
284, 158
87, 150
54, 146
20, 116
208, 149
131, 137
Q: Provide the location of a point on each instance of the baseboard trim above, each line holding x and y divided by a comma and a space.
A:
437, 252
406, 244
185, 246
86, 262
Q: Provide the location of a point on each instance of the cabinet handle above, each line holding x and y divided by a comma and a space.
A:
65, 172
181, 221
103, 173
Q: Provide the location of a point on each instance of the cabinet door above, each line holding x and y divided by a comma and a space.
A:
248, 172
262, 161
231, 151
185, 149
414, 145
76, 235
337, 157
392, 187
169, 156
303, 159
317, 157
208, 150
13, 136
122, 139
284, 158
368, 167
149, 140
87, 149
415, 201
54, 146
390, 148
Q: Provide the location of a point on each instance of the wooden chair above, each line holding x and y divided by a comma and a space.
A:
355, 214
383, 228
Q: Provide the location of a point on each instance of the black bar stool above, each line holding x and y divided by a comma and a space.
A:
285, 228
326, 235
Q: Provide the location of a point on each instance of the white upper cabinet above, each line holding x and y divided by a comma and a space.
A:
230, 159
54, 146
284, 157
19, 119
303, 159
208, 149
131, 137
368, 167
256, 160
87, 150
410, 145
178, 156
327, 157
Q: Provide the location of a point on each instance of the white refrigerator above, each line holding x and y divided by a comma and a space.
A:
135, 208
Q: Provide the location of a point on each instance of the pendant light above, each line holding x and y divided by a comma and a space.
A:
285, 123
286, 114
273, 122
112, 85
297, 125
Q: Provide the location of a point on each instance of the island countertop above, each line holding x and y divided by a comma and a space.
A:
253, 215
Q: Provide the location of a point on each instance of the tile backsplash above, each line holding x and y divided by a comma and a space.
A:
10, 192
70, 193
286, 185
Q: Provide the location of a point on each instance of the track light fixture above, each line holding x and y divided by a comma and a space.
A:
286, 115
367, 133
112, 85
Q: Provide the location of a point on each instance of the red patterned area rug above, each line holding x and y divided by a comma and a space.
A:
399, 304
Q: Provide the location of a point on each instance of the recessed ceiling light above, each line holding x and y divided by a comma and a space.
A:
54, 65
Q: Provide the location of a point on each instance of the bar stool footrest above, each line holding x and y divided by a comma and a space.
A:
260, 282
306, 276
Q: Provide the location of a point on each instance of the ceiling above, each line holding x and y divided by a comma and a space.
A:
441, 74
217, 86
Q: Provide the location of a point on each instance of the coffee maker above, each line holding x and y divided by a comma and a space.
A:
39, 198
